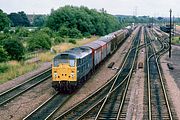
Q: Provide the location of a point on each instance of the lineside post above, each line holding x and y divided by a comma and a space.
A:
170, 35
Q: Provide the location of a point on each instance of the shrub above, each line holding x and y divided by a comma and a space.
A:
14, 48
6, 30
74, 33
22, 32
3, 55
47, 31
63, 31
58, 40
86, 34
72, 41
39, 41
3, 67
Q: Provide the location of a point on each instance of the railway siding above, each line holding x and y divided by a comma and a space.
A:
97, 79
118, 79
158, 101
135, 107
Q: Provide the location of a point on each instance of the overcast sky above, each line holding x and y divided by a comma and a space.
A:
122, 7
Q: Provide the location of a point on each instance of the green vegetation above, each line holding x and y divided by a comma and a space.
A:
19, 19
4, 20
14, 48
73, 21
39, 41
176, 40
39, 21
13, 69
3, 54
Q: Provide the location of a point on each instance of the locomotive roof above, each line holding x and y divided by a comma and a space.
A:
78, 52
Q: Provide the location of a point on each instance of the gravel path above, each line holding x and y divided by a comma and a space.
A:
135, 107
102, 75
27, 102
173, 77
24, 77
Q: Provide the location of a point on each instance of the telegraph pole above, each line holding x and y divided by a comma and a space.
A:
174, 26
170, 35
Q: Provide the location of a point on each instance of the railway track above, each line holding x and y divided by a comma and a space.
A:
48, 108
14, 92
108, 94
158, 102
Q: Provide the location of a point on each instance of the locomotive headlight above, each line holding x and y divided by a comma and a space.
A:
72, 75
55, 75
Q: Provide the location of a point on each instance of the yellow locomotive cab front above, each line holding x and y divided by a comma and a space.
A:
65, 71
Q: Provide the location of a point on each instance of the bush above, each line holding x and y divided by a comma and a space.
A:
58, 40
63, 31
6, 30
47, 31
14, 48
39, 41
22, 32
72, 41
3, 67
3, 55
86, 34
74, 33
3, 36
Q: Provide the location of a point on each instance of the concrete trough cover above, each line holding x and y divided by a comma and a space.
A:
140, 65
170, 66
111, 65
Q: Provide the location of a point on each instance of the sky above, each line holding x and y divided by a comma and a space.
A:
118, 7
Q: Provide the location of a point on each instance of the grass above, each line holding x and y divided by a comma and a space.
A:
46, 57
176, 40
65, 46
13, 69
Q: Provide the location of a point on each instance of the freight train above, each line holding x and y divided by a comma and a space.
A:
70, 69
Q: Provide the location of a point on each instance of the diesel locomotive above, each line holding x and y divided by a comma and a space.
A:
70, 69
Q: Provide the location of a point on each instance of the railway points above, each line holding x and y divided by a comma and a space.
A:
112, 99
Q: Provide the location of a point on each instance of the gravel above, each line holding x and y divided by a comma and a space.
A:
173, 77
135, 105
27, 102
102, 75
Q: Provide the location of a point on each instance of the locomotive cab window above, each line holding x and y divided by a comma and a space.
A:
72, 63
56, 62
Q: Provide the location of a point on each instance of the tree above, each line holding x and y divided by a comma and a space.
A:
47, 30
4, 20
63, 31
19, 19
3, 54
39, 20
24, 17
39, 41
14, 48
70, 19
22, 32
74, 33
